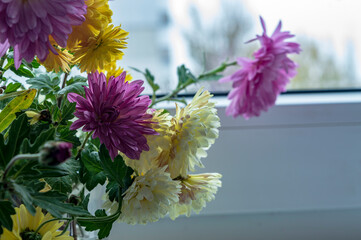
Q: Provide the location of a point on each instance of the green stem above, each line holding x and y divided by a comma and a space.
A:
51, 220
83, 145
16, 158
221, 68
60, 98
171, 96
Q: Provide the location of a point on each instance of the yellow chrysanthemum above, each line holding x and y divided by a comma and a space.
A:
98, 17
54, 62
24, 223
102, 50
113, 70
195, 130
149, 197
196, 191
157, 143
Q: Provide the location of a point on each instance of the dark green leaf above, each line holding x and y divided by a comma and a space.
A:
25, 196
67, 135
22, 71
103, 226
85, 201
54, 202
60, 184
6, 210
44, 136
67, 112
115, 170
18, 131
91, 161
35, 64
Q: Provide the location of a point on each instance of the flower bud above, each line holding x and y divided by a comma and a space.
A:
44, 115
54, 153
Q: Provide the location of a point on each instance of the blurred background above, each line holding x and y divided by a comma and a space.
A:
203, 33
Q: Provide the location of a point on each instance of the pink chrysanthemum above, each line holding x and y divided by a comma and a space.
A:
116, 113
259, 82
26, 25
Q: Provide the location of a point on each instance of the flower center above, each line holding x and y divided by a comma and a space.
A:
27, 234
109, 115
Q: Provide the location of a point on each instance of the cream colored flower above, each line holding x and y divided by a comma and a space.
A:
195, 130
149, 197
196, 191
158, 144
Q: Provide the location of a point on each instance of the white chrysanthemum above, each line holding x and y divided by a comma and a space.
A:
157, 143
149, 197
196, 191
196, 128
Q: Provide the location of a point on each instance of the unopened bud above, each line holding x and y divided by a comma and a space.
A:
44, 115
54, 153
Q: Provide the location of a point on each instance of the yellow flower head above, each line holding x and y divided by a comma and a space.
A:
35, 117
196, 191
56, 62
157, 143
98, 17
102, 50
24, 223
113, 70
149, 197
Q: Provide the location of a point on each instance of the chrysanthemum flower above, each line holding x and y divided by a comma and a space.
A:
196, 191
24, 224
195, 130
184, 138
157, 143
259, 82
27, 25
149, 197
98, 17
116, 113
57, 62
113, 70
102, 50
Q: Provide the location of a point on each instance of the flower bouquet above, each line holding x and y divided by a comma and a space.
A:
62, 134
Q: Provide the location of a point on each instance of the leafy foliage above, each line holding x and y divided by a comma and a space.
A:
6, 210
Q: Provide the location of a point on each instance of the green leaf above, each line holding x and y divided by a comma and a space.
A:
6, 210
22, 71
67, 112
18, 131
115, 170
67, 135
103, 226
24, 194
54, 202
12, 87
23, 101
85, 201
44, 136
45, 83
60, 184
185, 77
91, 161
76, 87
35, 64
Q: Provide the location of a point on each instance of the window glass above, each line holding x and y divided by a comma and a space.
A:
203, 33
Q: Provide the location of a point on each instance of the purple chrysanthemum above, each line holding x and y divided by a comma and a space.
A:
27, 25
116, 113
259, 82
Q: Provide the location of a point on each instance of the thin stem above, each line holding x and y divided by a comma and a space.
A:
48, 221
220, 68
83, 144
2, 60
60, 98
73, 226
16, 158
